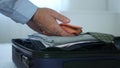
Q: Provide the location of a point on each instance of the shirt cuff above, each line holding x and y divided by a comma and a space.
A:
23, 11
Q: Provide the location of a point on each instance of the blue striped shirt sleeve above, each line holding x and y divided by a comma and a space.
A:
21, 11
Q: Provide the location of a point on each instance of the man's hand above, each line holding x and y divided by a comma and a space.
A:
44, 21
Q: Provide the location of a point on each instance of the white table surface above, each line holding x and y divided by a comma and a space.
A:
6, 56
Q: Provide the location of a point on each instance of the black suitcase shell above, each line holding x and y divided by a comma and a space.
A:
99, 55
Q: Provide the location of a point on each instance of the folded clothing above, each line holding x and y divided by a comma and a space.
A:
76, 30
60, 41
107, 38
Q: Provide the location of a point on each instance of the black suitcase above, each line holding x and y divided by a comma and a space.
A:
98, 54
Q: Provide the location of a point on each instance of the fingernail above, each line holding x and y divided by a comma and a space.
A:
67, 20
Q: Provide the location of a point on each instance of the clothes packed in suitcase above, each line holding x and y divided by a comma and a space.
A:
87, 50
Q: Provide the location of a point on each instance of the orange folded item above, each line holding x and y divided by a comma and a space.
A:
71, 28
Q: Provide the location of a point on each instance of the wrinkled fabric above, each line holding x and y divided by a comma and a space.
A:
107, 38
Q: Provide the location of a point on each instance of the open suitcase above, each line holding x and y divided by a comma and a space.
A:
98, 54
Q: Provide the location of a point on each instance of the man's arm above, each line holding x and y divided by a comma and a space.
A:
42, 20
20, 11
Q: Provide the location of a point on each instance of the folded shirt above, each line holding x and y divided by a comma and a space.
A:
76, 30
60, 41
